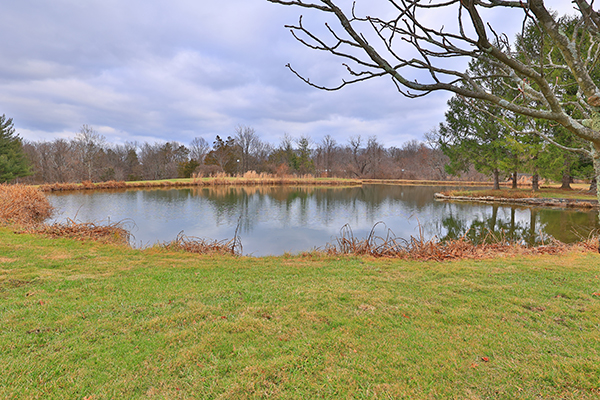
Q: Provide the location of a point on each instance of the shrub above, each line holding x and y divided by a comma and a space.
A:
24, 205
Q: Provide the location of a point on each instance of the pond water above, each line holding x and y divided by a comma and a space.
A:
274, 220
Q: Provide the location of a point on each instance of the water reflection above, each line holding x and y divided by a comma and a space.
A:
274, 220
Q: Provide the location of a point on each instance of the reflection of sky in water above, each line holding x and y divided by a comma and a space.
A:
274, 220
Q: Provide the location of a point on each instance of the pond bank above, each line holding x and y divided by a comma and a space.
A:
531, 201
202, 182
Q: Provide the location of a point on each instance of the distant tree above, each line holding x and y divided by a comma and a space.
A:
199, 148
325, 155
89, 144
247, 142
161, 160
358, 161
304, 162
13, 162
284, 155
223, 155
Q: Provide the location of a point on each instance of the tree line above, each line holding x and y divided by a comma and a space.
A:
88, 156
466, 146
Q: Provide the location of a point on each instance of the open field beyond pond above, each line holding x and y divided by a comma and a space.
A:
81, 319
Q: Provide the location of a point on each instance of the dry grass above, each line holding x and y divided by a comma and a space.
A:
111, 233
249, 178
27, 207
197, 245
24, 205
433, 249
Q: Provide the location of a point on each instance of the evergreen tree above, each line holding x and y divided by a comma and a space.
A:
223, 155
13, 163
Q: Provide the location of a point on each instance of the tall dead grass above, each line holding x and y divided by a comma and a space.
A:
115, 232
28, 208
249, 178
23, 205
197, 245
419, 248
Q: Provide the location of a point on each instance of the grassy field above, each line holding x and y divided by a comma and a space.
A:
85, 320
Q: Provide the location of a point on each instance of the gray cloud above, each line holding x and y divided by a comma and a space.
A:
158, 70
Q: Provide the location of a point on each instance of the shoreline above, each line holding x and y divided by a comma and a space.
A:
244, 181
533, 202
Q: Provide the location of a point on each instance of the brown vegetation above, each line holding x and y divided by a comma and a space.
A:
24, 205
433, 249
28, 208
249, 178
111, 233
197, 245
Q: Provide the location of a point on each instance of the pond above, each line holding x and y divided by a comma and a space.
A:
273, 220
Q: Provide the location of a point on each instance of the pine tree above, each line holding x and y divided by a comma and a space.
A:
13, 162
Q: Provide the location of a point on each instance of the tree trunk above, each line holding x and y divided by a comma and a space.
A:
514, 180
535, 182
496, 179
566, 181
566, 178
593, 186
596, 162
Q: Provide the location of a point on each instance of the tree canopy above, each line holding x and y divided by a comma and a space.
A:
13, 162
558, 83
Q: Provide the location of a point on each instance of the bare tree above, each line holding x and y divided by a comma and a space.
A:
359, 162
89, 144
247, 142
199, 148
373, 47
325, 155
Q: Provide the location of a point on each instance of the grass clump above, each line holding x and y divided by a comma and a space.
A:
197, 245
24, 205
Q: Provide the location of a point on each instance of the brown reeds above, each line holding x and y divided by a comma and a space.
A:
419, 248
249, 178
115, 232
197, 245
24, 205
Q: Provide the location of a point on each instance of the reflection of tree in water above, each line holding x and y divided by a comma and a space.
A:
329, 208
492, 228
170, 196
565, 225
569, 225
298, 205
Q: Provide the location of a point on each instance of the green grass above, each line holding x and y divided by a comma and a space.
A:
85, 320
552, 193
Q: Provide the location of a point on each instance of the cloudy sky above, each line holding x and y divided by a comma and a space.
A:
154, 70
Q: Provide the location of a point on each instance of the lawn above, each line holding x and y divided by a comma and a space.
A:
85, 320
